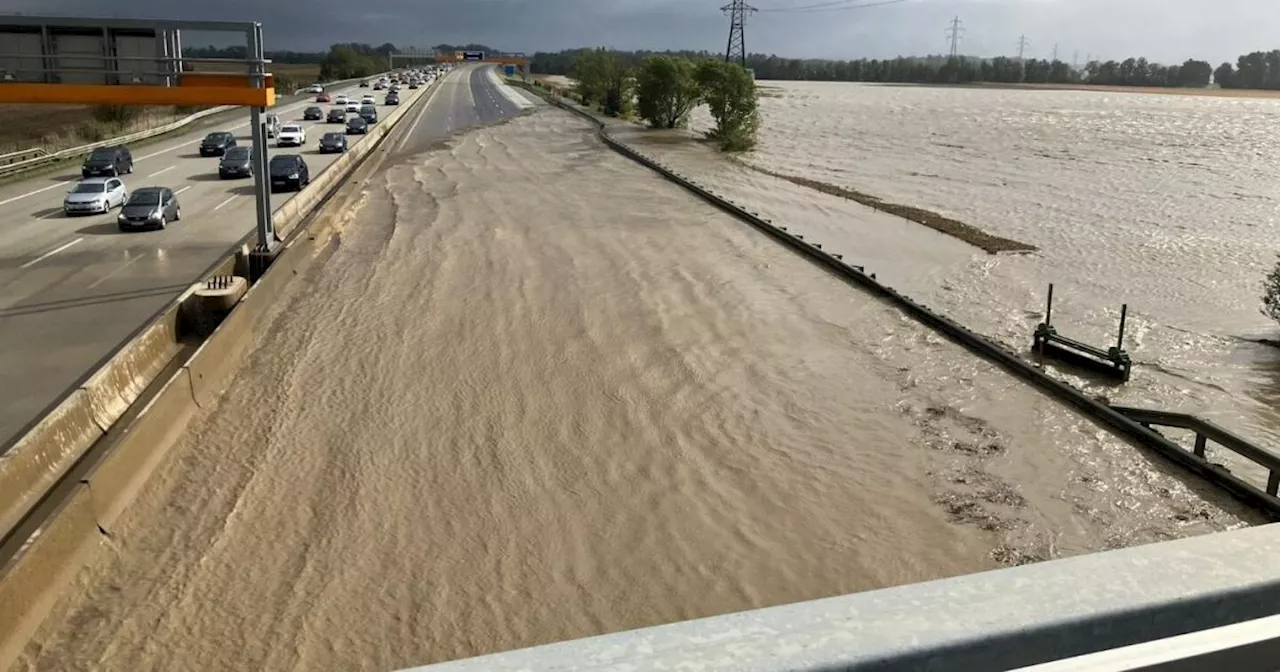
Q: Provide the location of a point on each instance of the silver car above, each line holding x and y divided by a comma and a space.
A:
95, 195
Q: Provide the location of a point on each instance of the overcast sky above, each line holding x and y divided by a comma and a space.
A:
1162, 30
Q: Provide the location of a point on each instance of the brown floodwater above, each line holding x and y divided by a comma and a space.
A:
534, 392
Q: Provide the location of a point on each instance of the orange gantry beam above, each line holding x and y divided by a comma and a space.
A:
195, 89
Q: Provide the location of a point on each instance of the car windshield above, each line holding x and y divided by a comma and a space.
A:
145, 198
215, 137
334, 137
282, 162
103, 154
238, 153
90, 188
292, 129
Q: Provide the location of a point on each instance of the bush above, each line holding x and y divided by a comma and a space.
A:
119, 115
1271, 294
667, 90
603, 79
730, 93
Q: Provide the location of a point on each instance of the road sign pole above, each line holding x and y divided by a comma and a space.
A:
266, 248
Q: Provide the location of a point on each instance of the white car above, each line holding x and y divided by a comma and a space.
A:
95, 195
340, 100
353, 106
367, 100
291, 135
316, 88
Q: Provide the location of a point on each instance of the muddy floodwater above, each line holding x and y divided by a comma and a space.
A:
535, 392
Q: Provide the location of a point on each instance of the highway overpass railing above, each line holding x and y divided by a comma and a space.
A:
1206, 602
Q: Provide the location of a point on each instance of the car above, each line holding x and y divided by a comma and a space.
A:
337, 115
353, 106
312, 113
392, 99
237, 162
357, 125
317, 88
378, 86
149, 208
340, 100
369, 113
107, 162
273, 125
216, 143
323, 98
366, 100
395, 87
291, 135
288, 171
94, 195
333, 142
364, 84
413, 84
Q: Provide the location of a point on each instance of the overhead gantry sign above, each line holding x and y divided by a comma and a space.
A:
92, 61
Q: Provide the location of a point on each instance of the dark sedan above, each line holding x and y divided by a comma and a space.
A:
392, 99
149, 208
288, 171
337, 115
312, 113
217, 143
237, 162
357, 125
333, 142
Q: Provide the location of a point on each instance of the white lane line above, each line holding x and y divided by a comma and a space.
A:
412, 127
219, 206
161, 171
50, 253
119, 268
37, 191
181, 190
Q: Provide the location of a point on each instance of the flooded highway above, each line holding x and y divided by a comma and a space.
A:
535, 392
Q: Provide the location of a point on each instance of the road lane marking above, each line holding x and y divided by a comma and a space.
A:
219, 206
181, 190
162, 170
119, 268
50, 253
37, 191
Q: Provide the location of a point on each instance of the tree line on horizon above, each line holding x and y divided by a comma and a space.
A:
346, 60
1257, 70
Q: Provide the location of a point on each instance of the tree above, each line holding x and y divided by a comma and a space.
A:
730, 93
666, 89
348, 61
1225, 76
604, 79
1195, 73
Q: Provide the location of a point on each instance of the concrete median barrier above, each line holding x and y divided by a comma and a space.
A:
48, 560
118, 384
36, 462
115, 479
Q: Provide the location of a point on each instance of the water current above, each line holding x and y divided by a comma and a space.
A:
534, 392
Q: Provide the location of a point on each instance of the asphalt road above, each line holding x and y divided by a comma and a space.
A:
73, 288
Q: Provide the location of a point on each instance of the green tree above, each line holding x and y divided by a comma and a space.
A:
730, 93
603, 78
666, 90
1195, 73
347, 61
1225, 76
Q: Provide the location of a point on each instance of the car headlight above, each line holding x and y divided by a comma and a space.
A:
155, 214
121, 217
293, 176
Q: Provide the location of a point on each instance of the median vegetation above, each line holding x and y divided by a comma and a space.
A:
664, 89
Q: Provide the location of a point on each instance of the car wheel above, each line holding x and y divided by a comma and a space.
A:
164, 223
177, 213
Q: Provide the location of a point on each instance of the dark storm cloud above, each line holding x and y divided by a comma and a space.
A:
1168, 30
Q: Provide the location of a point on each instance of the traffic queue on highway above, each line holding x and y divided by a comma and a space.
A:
102, 187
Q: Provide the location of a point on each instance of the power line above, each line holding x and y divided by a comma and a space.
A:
954, 33
834, 6
1055, 51
737, 49
1022, 46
